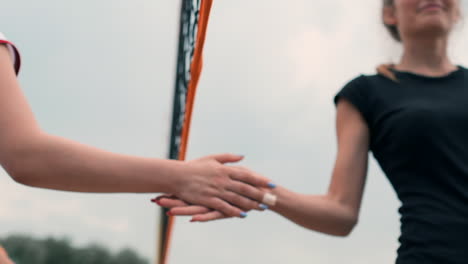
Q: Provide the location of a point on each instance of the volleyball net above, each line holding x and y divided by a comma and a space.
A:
194, 17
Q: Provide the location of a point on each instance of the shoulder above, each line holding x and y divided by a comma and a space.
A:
362, 86
14, 53
368, 85
463, 69
363, 92
4, 40
370, 81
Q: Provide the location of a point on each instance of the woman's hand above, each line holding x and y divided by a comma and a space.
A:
229, 190
178, 207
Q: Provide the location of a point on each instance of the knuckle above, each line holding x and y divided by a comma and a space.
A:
246, 204
259, 196
254, 205
226, 209
219, 181
245, 175
235, 213
237, 200
208, 193
242, 168
245, 189
222, 171
238, 173
231, 211
218, 170
249, 175
215, 204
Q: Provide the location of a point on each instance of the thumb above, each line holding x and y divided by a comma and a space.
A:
227, 158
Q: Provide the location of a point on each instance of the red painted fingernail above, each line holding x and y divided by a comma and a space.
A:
169, 213
156, 200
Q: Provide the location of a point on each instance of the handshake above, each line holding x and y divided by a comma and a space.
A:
215, 190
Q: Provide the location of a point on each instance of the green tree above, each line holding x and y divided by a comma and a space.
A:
24, 249
128, 256
92, 254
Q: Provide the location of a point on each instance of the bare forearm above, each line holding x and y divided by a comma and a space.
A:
56, 163
317, 212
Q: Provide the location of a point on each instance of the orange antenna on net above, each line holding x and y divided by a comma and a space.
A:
194, 19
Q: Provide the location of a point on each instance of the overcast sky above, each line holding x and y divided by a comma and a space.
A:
102, 73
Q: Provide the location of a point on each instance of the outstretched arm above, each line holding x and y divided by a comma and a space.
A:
35, 158
334, 213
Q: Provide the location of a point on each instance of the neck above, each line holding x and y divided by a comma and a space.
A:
426, 57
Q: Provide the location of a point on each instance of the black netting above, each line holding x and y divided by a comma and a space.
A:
187, 37
189, 17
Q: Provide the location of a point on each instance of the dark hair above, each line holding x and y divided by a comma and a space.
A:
391, 28
386, 69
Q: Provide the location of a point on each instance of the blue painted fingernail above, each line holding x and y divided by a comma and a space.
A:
263, 206
271, 185
243, 214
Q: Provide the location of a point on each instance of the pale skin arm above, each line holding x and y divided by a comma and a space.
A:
334, 213
34, 158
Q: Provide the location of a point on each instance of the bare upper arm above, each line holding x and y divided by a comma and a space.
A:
17, 122
349, 173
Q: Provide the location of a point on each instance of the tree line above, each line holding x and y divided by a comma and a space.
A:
24, 249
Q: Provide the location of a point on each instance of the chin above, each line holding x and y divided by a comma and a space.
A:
434, 27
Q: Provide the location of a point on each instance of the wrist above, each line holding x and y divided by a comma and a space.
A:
177, 176
280, 194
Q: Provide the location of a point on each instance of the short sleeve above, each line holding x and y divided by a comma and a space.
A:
357, 93
15, 56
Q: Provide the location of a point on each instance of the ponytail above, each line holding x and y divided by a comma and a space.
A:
386, 71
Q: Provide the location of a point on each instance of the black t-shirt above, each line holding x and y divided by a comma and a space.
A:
419, 136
